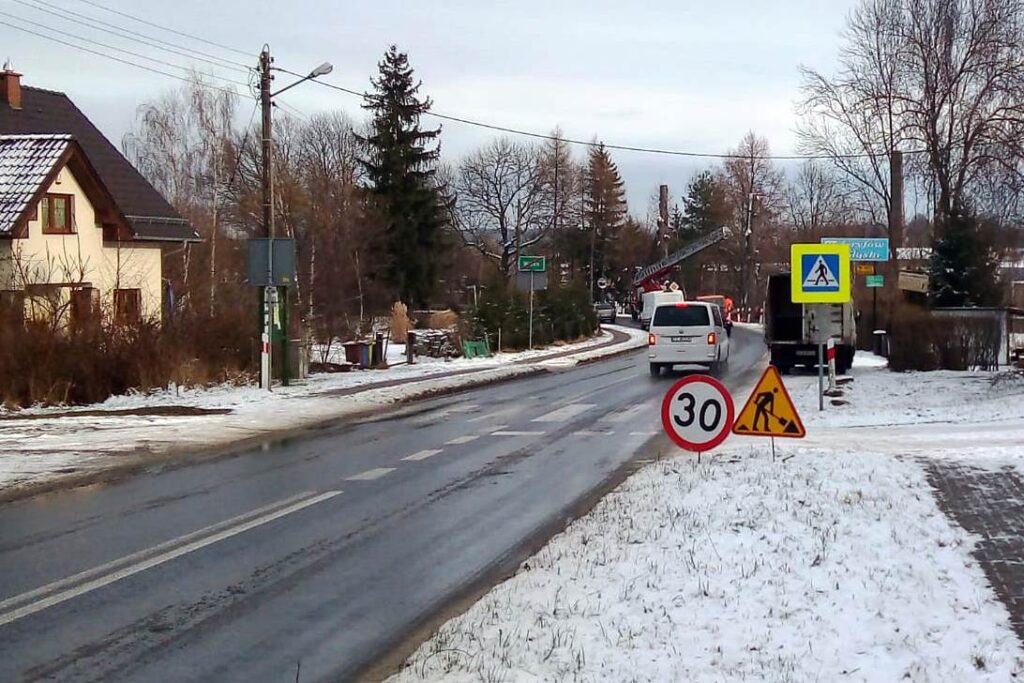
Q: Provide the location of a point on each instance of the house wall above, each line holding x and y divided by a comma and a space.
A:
83, 257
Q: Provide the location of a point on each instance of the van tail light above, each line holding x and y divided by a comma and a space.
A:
651, 340
712, 338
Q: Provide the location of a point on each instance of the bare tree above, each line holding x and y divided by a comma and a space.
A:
183, 145
754, 186
942, 77
815, 201
501, 204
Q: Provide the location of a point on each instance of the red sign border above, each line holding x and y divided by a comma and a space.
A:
666, 421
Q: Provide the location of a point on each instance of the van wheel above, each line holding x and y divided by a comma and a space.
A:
655, 370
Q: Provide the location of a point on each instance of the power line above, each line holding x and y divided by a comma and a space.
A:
118, 59
623, 148
164, 28
123, 32
122, 50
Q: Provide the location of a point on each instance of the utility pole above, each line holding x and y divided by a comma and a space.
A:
748, 257
270, 291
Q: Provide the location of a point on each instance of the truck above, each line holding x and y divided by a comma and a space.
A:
653, 277
651, 301
793, 331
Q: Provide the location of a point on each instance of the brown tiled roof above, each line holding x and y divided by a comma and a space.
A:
149, 214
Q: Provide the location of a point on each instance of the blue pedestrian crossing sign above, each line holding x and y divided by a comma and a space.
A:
820, 273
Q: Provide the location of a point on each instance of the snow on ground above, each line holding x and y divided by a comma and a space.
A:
35, 447
832, 563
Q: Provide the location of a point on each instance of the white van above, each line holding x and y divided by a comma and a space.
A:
687, 333
651, 301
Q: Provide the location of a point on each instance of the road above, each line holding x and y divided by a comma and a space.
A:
321, 555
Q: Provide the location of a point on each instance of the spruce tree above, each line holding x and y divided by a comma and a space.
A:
401, 167
964, 266
604, 208
702, 205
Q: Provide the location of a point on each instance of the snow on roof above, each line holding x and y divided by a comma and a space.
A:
25, 162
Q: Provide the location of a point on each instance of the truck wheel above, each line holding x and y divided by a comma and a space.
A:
783, 369
655, 370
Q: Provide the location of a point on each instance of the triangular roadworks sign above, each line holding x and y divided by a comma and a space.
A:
769, 411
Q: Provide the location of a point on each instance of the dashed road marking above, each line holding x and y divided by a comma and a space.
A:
649, 433
459, 440
498, 413
593, 432
516, 433
370, 475
565, 414
421, 455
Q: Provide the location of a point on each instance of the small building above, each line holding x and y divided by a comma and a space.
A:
81, 231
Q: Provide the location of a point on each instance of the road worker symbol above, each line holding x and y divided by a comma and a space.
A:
769, 411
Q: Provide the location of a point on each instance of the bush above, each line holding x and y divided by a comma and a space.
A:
925, 341
40, 365
559, 314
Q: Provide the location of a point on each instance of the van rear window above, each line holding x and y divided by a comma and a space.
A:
671, 316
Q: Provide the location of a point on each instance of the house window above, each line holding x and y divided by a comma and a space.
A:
128, 306
57, 214
84, 307
12, 307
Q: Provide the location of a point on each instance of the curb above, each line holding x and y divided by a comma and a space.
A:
142, 461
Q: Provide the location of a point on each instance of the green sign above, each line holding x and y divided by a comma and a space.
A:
532, 264
875, 280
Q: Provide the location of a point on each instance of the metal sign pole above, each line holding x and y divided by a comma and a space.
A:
821, 377
531, 309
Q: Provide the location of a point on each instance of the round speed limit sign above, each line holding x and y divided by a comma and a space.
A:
698, 413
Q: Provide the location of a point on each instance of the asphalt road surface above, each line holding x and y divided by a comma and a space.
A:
321, 555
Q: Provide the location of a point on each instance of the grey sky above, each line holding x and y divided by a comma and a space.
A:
677, 75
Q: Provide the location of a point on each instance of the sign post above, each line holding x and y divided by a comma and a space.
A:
769, 411
820, 275
532, 265
697, 413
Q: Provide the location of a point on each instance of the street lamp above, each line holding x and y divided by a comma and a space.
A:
270, 291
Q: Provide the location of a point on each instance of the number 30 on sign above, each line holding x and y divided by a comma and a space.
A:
697, 413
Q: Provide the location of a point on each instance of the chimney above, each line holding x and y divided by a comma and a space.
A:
10, 88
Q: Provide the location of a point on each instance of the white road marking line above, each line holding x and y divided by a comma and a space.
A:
370, 475
128, 559
592, 432
650, 433
459, 440
498, 413
515, 433
421, 455
130, 570
626, 415
565, 414
463, 408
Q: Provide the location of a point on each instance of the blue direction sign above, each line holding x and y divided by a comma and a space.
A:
863, 248
821, 273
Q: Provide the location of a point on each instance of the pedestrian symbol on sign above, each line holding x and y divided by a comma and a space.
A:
820, 272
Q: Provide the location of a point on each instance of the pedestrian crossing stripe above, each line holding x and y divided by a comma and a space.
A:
820, 272
769, 411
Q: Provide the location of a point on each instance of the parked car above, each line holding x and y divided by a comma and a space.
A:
687, 333
606, 311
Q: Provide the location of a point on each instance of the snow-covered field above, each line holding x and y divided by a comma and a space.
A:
35, 447
831, 564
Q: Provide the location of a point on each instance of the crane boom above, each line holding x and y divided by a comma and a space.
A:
655, 270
